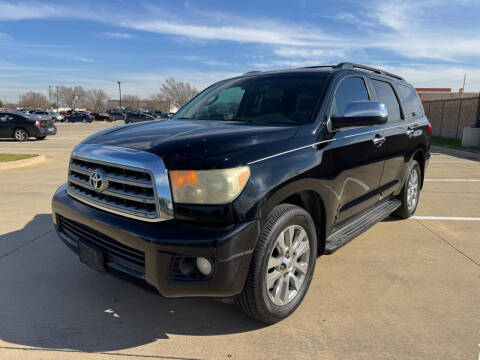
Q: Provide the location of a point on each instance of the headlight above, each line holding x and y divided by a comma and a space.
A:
208, 186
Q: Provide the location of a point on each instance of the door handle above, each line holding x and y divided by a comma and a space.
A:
378, 140
410, 132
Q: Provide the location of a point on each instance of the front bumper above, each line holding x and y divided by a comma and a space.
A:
229, 247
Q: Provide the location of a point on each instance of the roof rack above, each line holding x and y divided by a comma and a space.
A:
252, 72
349, 65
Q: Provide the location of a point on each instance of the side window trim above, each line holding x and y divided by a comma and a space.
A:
337, 85
334, 92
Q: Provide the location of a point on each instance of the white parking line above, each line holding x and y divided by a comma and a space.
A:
451, 161
452, 218
454, 180
40, 149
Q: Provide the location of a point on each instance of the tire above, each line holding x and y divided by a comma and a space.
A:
41, 137
410, 198
20, 134
268, 260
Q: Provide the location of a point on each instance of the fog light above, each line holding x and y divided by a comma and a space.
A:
204, 266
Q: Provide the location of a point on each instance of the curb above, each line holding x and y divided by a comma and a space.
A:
455, 152
37, 159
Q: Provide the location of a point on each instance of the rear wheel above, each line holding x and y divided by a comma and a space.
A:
282, 265
410, 192
20, 134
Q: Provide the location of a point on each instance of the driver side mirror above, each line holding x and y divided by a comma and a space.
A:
361, 113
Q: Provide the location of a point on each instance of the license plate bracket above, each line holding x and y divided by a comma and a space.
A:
91, 257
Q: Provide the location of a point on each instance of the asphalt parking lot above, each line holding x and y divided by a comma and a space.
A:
403, 290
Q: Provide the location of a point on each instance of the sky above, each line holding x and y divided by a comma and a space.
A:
94, 43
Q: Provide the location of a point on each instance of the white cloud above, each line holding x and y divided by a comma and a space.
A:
28, 10
114, 35
254, 34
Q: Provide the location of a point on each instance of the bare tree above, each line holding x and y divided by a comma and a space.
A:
177, 91
132, 101
72, 96
96, 99
34, 100
157, 102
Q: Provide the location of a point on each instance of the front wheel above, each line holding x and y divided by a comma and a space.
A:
282, 265
410, 192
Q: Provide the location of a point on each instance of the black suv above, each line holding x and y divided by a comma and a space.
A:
237, 195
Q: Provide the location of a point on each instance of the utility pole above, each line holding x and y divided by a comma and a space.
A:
56, 87
463, 87
120, 94
49, 95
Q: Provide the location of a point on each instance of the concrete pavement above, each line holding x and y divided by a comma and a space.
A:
403, 290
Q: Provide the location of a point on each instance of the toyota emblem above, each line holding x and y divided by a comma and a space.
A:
98, 180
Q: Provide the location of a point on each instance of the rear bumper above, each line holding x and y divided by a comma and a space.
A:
228, 247
48, 130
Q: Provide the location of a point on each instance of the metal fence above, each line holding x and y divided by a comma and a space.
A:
449, 117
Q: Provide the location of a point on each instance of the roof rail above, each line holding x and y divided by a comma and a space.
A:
252, 72
349, 65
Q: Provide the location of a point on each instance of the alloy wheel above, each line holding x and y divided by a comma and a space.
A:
288, 264
412, 190
20, 135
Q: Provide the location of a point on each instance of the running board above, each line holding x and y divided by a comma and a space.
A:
349, 230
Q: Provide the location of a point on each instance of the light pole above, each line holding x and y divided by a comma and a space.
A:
120, 94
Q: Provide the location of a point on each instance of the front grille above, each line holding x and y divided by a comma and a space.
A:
113, 251
128, 191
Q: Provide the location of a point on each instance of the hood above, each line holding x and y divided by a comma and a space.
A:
187, 144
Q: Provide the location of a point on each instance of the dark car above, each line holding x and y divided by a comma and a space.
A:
132, 117
21, 126
237, 195
162, 114
102, 116
117, 115
79, 117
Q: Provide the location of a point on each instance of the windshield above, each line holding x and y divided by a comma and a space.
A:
267, 99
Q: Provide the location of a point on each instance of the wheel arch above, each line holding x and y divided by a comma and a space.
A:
307, 198
419, 156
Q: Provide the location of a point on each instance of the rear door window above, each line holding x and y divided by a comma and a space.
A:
413, 105
350, 89
386, 94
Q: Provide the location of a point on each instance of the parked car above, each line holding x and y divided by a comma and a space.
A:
79, 117
21, 126
137, 117
49, 114
117, 115
237, 195
66, 113
102, 116
161, 114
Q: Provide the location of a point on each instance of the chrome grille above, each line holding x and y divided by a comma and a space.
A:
129, 191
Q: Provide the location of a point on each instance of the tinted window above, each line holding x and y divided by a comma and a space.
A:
4, 117
386, 95
412, 103
275, 99
350, 89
